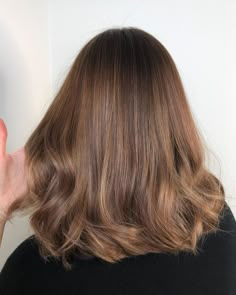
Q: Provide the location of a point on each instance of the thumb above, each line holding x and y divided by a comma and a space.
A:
3, 138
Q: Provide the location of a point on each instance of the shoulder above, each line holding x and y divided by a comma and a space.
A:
23, 255
27, 248
23, 260
24, 266
224, 239
227, 225
17, 265
218, 254
26, 257
227, 217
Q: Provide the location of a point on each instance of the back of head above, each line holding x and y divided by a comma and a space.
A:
116, 167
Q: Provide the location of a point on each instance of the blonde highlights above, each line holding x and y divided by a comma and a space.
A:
116, 167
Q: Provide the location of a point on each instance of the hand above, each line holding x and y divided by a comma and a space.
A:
12, 177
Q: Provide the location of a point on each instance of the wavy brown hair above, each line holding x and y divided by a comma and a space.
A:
116, 167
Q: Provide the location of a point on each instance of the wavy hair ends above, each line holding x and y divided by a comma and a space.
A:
116, 166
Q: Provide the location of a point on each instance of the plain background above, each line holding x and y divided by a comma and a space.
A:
40, 39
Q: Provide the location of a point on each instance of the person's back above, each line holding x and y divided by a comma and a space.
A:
115, 173
211, 272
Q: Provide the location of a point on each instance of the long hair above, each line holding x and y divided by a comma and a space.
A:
116, 167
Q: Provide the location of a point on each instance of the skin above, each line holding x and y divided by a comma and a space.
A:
12, 177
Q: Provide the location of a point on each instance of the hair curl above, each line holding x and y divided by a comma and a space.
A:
116, 166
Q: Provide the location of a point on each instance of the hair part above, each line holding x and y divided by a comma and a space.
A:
116, 166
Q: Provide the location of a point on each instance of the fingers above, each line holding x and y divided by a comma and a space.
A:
3, 138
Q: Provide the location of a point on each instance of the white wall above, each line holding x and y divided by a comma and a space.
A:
25, 85
199, 34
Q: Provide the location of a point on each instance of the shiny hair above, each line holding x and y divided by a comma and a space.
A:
116, 167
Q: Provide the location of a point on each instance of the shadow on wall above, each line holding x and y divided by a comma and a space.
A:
14, 86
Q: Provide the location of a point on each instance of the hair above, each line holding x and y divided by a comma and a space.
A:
116, 167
